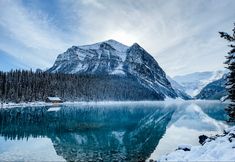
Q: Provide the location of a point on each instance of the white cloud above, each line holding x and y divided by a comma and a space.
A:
94, 3
37, 36
181, 35
33, 30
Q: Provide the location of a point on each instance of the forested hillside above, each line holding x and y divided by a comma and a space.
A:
214, 90
27, 86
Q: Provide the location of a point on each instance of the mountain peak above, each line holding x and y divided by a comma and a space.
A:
111, 57
136, 46
106, 46
115, 44
112, 41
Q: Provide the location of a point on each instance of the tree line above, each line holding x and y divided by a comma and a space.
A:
28, 86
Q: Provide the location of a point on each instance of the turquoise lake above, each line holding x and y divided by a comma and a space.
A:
106, 131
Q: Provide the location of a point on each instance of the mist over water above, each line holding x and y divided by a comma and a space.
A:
127, 131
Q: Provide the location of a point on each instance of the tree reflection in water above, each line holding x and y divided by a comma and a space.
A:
126, 132
85, 133
231, 112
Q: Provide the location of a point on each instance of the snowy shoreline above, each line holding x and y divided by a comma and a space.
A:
24, 104
42, 103
215, 148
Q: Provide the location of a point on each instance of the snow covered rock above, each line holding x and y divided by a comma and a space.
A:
202, 139
113, 58
216, 148
184, 147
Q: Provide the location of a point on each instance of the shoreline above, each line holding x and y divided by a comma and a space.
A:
213, 148
42, 103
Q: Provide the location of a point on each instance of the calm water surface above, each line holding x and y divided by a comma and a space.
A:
118, 131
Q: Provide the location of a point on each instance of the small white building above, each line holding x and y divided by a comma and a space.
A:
54, 100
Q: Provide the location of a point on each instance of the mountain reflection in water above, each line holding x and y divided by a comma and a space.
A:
106, 132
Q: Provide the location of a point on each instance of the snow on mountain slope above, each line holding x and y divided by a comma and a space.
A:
113, 58
118, 46
179, 89
193, 83
214, 91
103, 57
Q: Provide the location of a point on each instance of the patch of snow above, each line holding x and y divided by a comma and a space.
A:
232, 61
175, 84
24, 104
229, 86
54, 98
219, 149
118, 70
54, 109
81, 54
122, 55
120, 48
41, 103
96, 66
79, 68
116, 45
224, 98
57, 68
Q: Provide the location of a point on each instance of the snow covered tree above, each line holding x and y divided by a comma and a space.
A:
230, 62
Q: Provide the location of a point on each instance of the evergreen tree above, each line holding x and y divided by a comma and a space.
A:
230, 62
28, 86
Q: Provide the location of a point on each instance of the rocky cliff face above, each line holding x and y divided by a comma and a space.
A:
113, 58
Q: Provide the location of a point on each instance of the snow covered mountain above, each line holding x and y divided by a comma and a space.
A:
193, 83
214, 90
179, 89
104, 57
113, 58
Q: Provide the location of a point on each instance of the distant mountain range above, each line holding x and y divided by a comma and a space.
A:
111, 58
214, 90
202, 85
193, 83
179, 89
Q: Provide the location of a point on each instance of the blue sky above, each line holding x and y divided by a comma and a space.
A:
182, 35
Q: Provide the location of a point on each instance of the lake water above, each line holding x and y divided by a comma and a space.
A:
112, 131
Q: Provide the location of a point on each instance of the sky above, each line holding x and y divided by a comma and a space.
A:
182, 35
